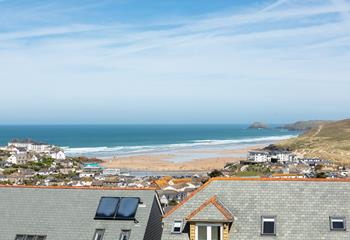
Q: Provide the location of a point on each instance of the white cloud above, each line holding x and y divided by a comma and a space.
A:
283, 51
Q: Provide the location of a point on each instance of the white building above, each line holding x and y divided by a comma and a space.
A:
39, 147
20, 158
58, 155
12, 159
86, 174
30, 145
259, 156
283, 156
111, 171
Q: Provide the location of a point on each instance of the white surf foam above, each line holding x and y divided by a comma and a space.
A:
130, 150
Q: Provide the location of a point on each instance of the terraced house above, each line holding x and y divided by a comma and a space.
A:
56, 213
266, 209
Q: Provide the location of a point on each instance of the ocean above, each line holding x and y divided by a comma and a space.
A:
123, 140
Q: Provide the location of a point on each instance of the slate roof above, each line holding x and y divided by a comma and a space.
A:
68, 213
212, 210
302, 207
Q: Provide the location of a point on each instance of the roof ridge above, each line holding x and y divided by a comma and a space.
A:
281, 179
224, 210
76, 187
253, 179
201, 207
217, 203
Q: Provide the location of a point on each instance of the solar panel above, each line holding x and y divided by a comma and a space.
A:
117, 208
107, 208
127, 208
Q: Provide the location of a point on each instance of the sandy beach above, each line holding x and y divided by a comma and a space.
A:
167, 162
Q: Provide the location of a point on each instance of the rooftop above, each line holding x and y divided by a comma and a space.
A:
254, 179
296, 204
70, 212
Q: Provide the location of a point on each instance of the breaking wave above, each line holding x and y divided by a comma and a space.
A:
134, 150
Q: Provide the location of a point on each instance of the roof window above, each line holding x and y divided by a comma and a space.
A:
116, 208
268, 225
177, 226
337, 223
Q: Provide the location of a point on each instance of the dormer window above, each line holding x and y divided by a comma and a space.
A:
209, 231
177, 226
337, 223
268, 225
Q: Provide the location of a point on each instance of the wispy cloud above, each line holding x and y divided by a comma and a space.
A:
281, 46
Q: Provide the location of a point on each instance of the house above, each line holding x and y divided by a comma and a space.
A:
26, 172
58, 155
3, 178
282, 156
64, 163
67, 170
16, 150
259, 156
2, 165
287, 175
44, 172
20, 158
30, 145
86, 174
111, 171
79, 213
92, 167
253, 208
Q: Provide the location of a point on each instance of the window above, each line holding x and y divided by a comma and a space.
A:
99, 234
117, 208
127, 208
337, 223
20, 237
177, 226
30, 237
209, 232
107, 207
125, 235
268, 225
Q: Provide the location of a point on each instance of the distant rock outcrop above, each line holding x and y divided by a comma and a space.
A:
304, 125
258, 125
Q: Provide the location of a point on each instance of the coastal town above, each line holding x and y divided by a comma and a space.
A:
28, 162
174, 120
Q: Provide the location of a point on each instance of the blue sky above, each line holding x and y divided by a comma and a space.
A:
171, 61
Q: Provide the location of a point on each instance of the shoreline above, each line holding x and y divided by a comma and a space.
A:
168, 162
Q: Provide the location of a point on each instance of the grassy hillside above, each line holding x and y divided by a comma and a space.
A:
304, 125
329, 140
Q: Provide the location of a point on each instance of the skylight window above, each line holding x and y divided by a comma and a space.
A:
116, 208
127, 208
125, 235
177, 226
268, 225
337, 223
99, 234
